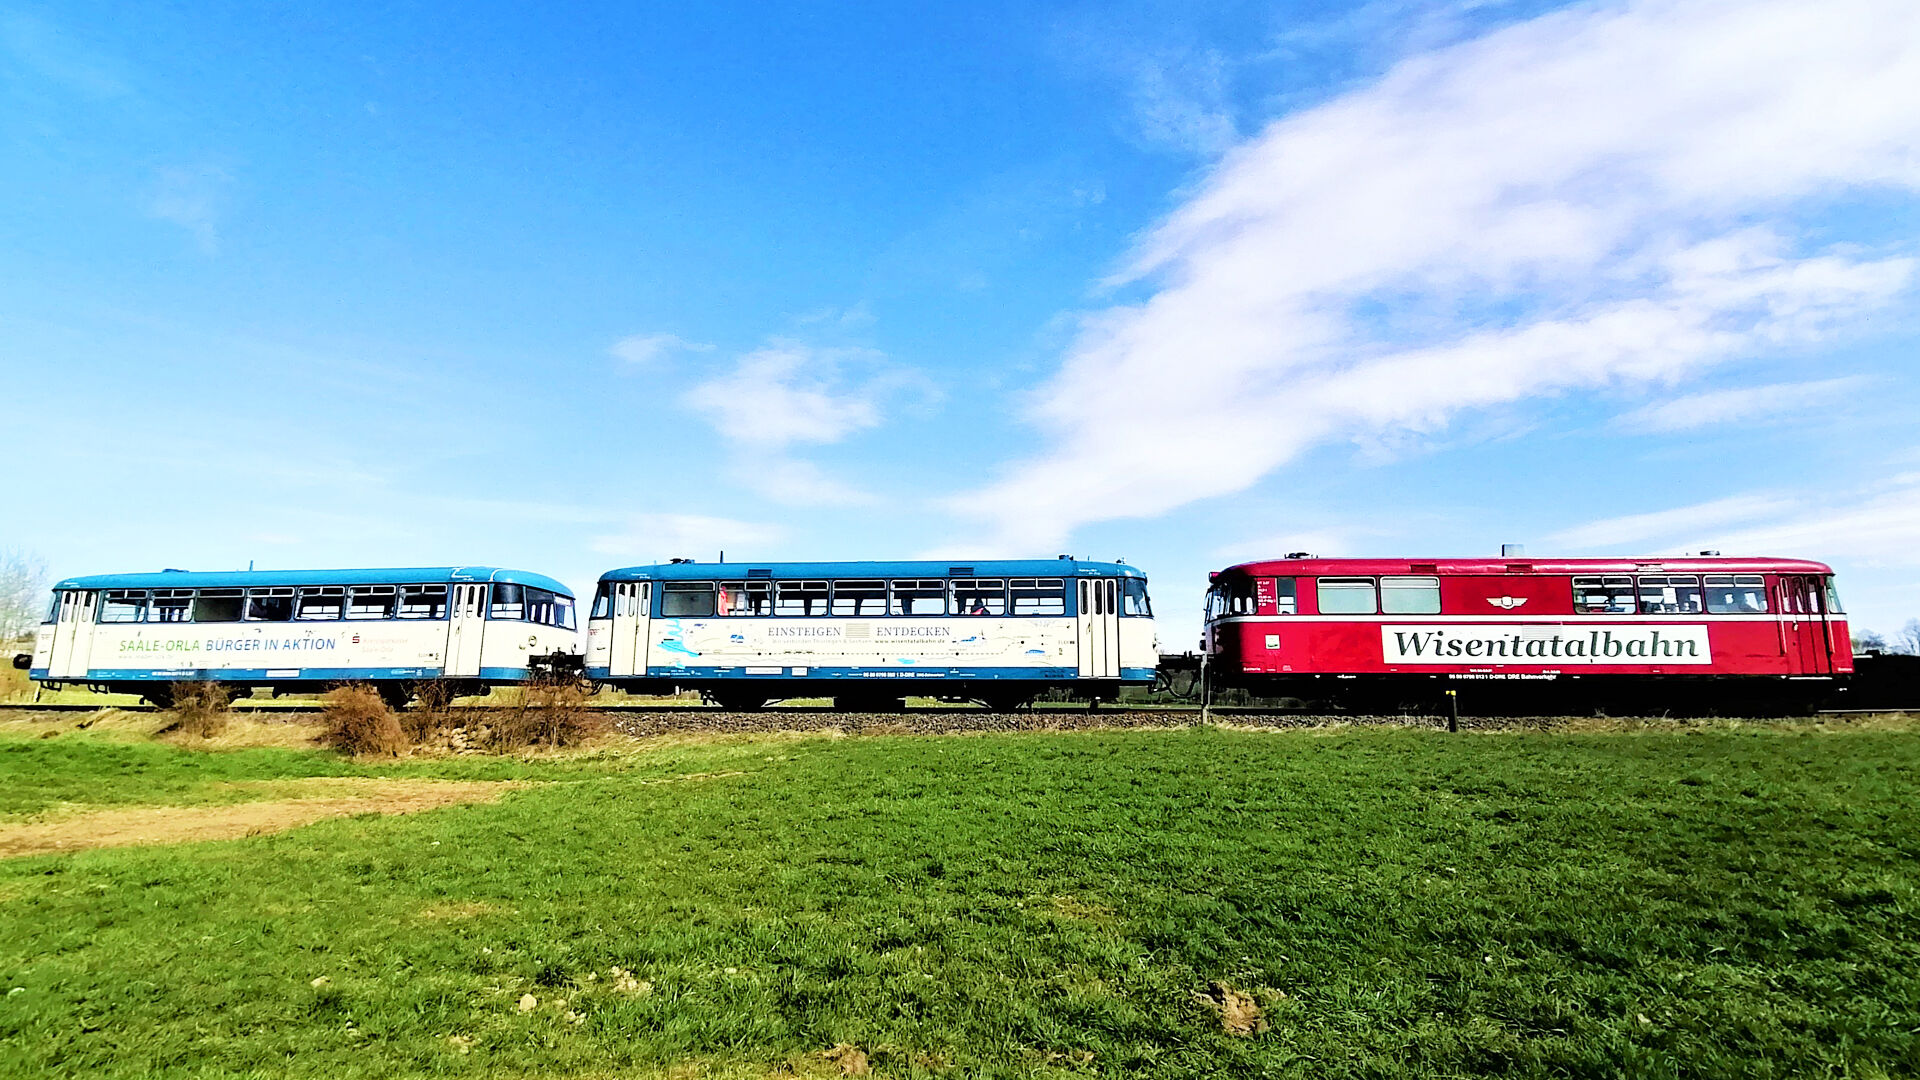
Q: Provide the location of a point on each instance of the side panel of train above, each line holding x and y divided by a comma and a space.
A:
1289, 629
299, 633
1000, 639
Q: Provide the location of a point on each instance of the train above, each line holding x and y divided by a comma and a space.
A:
1697, 633
303, 631
1689, 633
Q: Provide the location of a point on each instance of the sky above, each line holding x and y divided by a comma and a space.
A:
589, 286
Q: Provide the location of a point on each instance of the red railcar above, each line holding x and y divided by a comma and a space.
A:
1673, 633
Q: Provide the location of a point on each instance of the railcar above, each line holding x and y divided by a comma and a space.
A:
1698, 633
302, 631
870, 634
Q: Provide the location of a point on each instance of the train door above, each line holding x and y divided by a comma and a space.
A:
73, 635
1098, 626
632, 613
466, 630
1803, 625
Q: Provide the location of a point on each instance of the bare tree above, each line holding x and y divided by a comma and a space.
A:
1868, 641
23, 592
1908, 639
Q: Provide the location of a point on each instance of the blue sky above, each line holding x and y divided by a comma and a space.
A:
583, 287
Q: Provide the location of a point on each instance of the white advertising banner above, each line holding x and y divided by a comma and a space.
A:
1551, 646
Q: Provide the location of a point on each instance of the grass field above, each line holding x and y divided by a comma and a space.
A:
1713, 901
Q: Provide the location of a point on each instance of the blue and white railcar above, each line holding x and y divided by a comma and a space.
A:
872, 633
302, 631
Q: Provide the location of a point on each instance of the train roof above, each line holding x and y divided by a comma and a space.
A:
927, 568
241, 579
1695, 564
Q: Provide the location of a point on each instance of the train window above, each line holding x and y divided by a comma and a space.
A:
1612, 595
1347, 596
1134, 597
1670, 594
686, 598
865, 596
1736, 594
602, 603
746, 598
800, 598
216, 605
509, 601
53, 611
1285, 600
1833, 599
123, 605
979, 596
423, 601
1410, 595
562, 612
371, 601
1038, 596
1242, 596
269, 605
923, 596
319, 602
537, 605
171, 605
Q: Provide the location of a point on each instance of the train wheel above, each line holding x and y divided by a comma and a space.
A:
396, 695
160, 697
1005, 701
739, 700
869, 703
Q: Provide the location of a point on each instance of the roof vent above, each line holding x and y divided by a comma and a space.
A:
1710, 551
173, 570
1299, 554
677, 562
959, 571
1513, 551
1069, 558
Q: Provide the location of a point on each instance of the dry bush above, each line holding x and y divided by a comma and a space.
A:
358, 722
198, 708
432, 710
545, 712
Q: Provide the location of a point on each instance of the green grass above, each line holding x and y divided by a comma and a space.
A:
1732, 902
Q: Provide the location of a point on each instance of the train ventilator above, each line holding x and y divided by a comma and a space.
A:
1696, 633
870, 634
304, 631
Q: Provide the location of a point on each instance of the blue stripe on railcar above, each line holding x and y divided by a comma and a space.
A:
264, 676
240, 579
789, 672
949, 568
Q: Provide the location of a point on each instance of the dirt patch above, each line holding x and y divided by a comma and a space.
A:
457, 909
344, 796
1239, 1013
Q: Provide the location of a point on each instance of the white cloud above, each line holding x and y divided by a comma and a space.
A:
643, 349
1182, 101
1878, 525
790, 394
190, 197
793, 482
786, 393
1564, 204
1746, 404
659, 537
1697, 520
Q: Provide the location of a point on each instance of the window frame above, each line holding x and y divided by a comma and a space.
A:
289, 593
1429, 588
1349, 584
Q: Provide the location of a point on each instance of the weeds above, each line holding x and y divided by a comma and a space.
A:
199, 708
432, 710
358, 722
545, 712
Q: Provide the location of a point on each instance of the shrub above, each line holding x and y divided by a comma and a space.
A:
358, 722
432, 710
546, 712
198, 708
